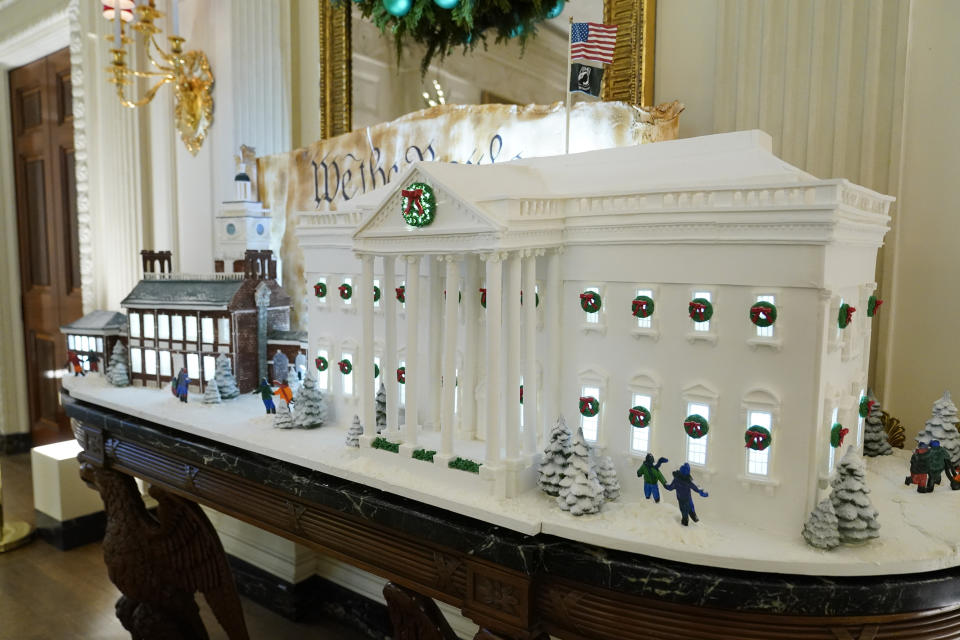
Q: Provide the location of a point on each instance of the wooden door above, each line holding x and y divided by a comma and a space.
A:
41, 101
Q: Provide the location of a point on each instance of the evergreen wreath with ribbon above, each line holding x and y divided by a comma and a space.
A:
642, 307
321, 363
845, 315
865, 405
873, 305
320, 290
345, 366
639, 416
521, 394
376, 293
441, 26
590, 301
696, 425
418, 205
757, 438
837, 433
589, 406
700, 310
763, 314
402, 375
376, 370
346, 291
483, 297
401, 294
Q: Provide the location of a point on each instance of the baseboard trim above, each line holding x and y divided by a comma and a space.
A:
312, 598
11, 443
69, 534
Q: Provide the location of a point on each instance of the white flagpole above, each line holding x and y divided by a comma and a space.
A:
566, 134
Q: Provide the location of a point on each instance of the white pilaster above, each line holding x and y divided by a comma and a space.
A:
435, 306
364, 365
494, 373
450, 326
468, 376
530, 386
512, 395
552, 298
390, 362
414, 360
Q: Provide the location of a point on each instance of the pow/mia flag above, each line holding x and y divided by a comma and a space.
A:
585, 79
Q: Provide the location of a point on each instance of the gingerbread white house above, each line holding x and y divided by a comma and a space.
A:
700, 231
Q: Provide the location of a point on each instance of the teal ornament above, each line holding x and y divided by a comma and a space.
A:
556, 10
398, 8
518, 28
446, 4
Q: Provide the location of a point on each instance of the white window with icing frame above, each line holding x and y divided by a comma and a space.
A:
191, 329
176, 328
701, 400
193, 366
134, 325
206, 330
323, 377
766, 332
346, 379
644, 391
163, 326
697, 447
702, 327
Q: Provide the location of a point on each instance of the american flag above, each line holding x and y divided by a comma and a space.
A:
592, 41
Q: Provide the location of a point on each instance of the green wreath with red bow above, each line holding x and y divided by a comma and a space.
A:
873, 305
376, 370
346, 291
320, 290
345, 366
865, 405
376, 293
590, 301
401, 294
642, 307
696, 425
700, 310
845, 315
763, 314
640, 416
321, 363
589, 406
837, 433
483, 297
757, 438
402, 375
418, 204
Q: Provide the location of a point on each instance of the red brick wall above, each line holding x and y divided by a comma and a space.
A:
245, 366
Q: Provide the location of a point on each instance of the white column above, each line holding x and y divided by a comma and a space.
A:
390, 361
493, 346
449, 356
530, 389
433, 370
554, 326
512, 394
413, 365
468, 376
364, 365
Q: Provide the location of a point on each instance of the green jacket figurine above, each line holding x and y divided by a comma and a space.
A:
651, 475
266, 394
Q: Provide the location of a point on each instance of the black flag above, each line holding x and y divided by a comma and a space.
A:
585, 79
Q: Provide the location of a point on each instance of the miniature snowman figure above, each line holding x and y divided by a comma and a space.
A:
683, 484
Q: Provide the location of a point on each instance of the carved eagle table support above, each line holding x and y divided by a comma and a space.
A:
158, 563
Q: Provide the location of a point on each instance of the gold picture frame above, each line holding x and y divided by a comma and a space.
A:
628, 79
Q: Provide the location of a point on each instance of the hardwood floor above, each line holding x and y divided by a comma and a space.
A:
48, 594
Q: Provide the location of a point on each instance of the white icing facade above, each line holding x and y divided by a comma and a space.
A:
717, 217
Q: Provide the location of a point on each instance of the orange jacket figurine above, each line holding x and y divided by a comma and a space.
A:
284, 391
74, 361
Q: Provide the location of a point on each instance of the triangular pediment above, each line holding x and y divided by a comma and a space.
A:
455, 216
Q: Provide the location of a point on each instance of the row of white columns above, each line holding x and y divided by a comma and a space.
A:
504, 315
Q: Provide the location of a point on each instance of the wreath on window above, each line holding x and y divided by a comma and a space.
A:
589, 406
320, 289
321, 363
696, 426
700, 310
590, 301
401, 294
642, 307
376, 370
837, 433
640, 416
418, 204
483, 297
402, 375
845, 315
763, 314
345, 366
376, 293
346, 291
757, 438
865, 405
873, 305
521, 394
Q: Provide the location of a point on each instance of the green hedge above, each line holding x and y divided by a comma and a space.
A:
463, 464
424, 454
386, 445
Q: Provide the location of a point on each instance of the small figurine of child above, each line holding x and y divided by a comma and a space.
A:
73, 361
182, 384
651, 475
284, 391
683, 484
920, 469
266, 394
94, 361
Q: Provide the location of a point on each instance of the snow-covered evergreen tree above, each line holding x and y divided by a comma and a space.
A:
874, 437
118, 373
353, 435
281, 366
942, 426
821, 528
381, 409
212, 393
555, 457
607, 474
580, 489
282, 418
310, 407
226, 383
857, 519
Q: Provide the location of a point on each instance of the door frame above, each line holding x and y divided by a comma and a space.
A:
51, 33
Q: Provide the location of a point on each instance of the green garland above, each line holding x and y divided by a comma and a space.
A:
424, 454
763, 314
386, 445
590, 301
639, 416
345, 366
642, 307
346, 291
757, 438
696, 426
700, 310
466, 25
589, 406
418, 204
465, 464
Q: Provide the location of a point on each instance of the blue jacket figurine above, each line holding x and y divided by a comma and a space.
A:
682, 483
182, 384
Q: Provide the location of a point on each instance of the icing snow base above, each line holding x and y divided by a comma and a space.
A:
919, 532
